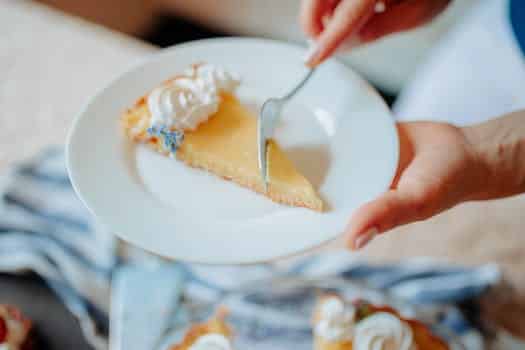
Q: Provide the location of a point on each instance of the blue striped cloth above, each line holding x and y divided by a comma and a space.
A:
44, 228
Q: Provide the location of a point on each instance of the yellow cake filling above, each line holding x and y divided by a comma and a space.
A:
226, 145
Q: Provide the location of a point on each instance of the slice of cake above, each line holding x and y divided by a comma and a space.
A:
213, 334
340, 325
197, 118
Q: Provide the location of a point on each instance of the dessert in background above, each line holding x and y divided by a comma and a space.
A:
196, 117
15, 329
213, 334
342, 325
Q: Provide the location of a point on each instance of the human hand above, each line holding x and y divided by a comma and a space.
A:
439, 167
331, 22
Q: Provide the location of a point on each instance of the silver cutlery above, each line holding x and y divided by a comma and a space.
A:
268, 118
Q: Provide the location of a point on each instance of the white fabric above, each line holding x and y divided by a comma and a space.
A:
475, 73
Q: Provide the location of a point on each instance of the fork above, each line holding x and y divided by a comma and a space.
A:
268, 118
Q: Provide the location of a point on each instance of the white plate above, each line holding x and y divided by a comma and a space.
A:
337, 130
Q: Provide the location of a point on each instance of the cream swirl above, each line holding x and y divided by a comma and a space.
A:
212, 77
336, 320
212, 341
383, 331
187, 101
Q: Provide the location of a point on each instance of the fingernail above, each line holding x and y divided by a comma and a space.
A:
380, 7
311, 53
365, 238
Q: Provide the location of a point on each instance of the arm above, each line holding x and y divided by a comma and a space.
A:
500, 146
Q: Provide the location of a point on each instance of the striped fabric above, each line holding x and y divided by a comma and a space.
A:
44, 228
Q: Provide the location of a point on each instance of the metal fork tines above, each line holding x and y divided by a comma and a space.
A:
268, 118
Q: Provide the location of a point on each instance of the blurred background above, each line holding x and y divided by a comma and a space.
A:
167, 22
53, 57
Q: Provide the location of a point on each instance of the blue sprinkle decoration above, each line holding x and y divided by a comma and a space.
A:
171, 139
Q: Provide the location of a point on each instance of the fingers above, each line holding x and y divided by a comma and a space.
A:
348, 18
357, 18
398, 17
392, 209
312, 14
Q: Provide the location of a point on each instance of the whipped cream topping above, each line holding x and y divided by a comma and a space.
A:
189, 100
337, 320
383, 331
212, 341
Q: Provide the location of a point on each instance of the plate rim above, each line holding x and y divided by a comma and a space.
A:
158, 55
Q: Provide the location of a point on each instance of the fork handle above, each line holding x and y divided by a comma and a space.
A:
300, 84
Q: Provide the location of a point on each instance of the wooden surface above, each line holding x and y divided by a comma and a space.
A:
51, 63
134, 17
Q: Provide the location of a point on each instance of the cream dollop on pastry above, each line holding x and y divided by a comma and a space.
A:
383, 331
336, 319
212, 341
186, 101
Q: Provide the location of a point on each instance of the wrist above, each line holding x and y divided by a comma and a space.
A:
480, 155
498, 147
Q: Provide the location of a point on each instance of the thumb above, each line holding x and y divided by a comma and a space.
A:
393, 208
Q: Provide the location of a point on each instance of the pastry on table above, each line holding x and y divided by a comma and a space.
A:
212, 334
15, 329
341, 325
197, 118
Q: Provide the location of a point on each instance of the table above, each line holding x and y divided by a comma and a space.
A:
51, 63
